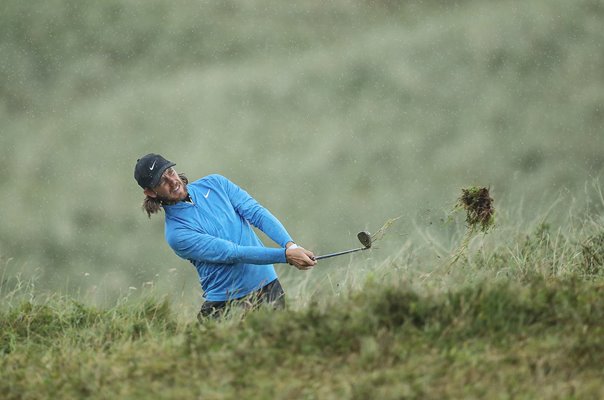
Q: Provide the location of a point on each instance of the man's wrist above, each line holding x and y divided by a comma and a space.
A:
289, 245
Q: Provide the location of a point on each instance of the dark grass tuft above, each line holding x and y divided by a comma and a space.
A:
478, 204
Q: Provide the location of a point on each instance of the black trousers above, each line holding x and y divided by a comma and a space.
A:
271, 294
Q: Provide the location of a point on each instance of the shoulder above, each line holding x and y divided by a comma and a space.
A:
209, 179
216, 181
216, 178
201, 185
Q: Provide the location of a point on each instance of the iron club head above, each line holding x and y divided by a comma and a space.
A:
365, 239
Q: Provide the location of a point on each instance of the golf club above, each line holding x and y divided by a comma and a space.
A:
365, 239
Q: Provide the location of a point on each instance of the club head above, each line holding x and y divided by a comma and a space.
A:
365, 239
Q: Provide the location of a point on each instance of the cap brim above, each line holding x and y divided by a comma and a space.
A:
160, 172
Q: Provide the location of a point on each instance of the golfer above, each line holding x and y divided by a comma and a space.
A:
208, 223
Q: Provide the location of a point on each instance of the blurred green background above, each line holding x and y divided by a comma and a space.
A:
335, 115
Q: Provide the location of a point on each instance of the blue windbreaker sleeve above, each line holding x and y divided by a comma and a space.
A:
255, 214
193, 245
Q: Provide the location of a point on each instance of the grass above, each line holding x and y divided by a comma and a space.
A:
519, 317
541, 339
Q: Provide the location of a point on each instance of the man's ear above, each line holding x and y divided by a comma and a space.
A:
150, 193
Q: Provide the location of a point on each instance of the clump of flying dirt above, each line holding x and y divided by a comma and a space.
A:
480, 215
478, 204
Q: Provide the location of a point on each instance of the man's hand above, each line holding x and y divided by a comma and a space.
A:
300, 258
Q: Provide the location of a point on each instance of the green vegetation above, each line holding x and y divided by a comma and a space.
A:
542, 339
337, 116
519, 317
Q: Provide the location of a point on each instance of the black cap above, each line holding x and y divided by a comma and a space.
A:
149, 169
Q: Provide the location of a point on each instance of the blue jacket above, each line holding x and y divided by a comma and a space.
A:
214, 233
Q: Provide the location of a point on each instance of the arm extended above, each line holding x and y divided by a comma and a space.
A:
193, 245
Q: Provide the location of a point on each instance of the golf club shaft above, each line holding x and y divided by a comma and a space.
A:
340, 253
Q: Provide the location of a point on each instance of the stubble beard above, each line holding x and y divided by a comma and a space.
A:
168, 202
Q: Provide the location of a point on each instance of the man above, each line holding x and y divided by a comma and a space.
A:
208, 223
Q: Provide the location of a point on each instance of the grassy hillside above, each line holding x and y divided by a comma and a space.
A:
337, 116
541, 339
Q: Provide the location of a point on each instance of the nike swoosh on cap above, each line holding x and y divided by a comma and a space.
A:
152, 166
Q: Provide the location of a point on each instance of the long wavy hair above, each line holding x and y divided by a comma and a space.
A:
152, 205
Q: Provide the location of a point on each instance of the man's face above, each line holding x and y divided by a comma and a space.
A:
170, 189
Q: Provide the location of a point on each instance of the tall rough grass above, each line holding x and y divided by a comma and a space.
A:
538, 339
520, 316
